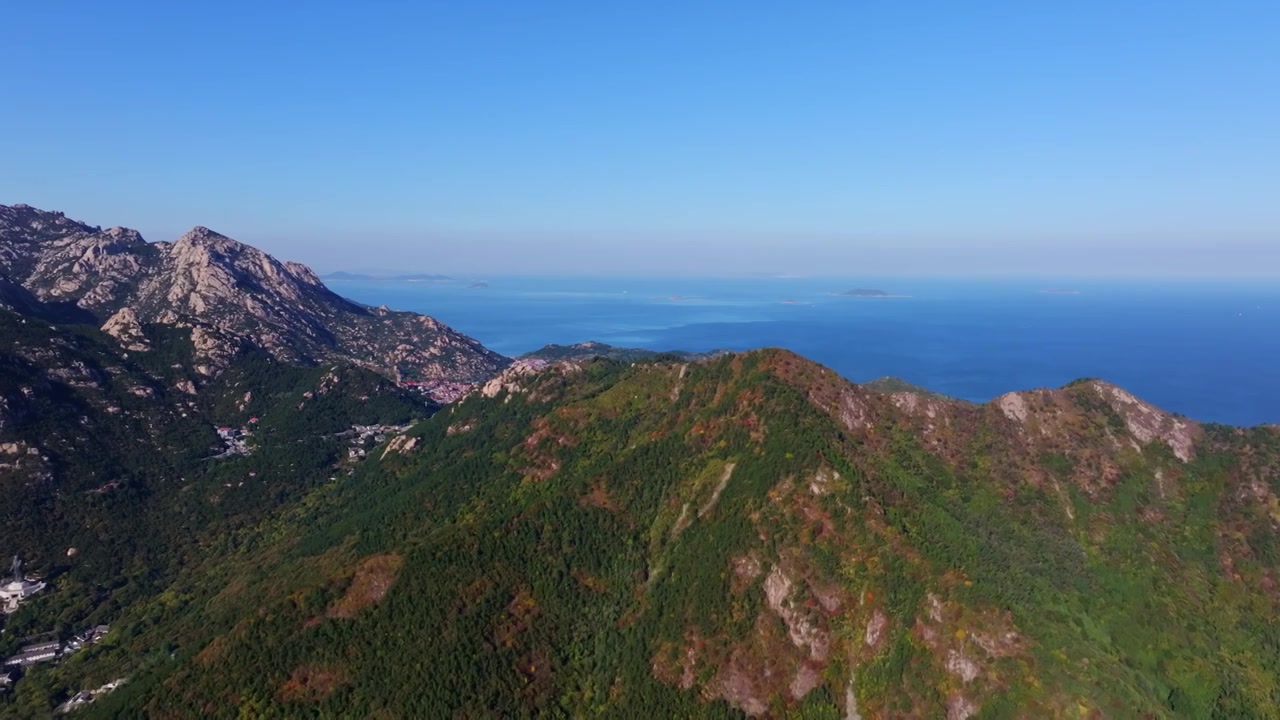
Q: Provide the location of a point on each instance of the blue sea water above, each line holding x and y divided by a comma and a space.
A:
1208, 350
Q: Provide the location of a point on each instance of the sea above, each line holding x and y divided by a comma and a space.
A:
1209, 350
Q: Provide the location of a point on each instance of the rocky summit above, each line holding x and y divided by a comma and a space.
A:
223, 295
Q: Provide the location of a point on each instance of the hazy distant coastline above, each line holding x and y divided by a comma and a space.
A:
341, 276
867, 293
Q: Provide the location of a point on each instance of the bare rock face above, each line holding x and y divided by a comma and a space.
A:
23, 229
93, 269
400, 444
1148, 423
802, 629
124, 326
510, 379
214, 349
1013, 406
232, 296
853, 411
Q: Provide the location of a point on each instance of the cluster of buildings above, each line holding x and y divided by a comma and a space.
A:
84, 697
35, 653
12, 594
364, 435
236, 438
440, 391
49, 650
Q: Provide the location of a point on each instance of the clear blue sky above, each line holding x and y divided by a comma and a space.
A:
848, 137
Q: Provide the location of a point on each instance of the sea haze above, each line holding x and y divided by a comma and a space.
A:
1206, 350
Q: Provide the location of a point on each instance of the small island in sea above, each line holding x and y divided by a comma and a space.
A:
1059, 291
592, 349
868, 293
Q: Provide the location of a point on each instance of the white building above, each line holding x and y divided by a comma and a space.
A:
40, 652
18, 588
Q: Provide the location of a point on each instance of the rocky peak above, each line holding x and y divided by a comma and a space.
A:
24, 229
124, 326
92, 269
200, 233
303, 273
232, 295
201, 248
21, 219
208, 240
206, 272
127, 235
1074, 422
1147, 423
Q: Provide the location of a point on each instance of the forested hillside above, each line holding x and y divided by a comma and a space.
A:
115, 479
746, 535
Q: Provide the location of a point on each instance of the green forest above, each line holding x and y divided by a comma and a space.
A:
746, 535
125, 490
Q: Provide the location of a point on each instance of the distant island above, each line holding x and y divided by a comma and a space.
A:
478, 285
341, 276
868, 292
591, 349
1059, 291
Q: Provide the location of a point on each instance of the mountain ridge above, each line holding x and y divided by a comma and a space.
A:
228, 295
754, 535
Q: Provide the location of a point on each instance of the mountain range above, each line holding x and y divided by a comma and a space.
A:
211, 452
225, 296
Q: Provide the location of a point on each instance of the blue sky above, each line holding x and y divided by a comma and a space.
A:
853, 137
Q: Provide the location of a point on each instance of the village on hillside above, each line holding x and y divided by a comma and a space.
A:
236, 439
